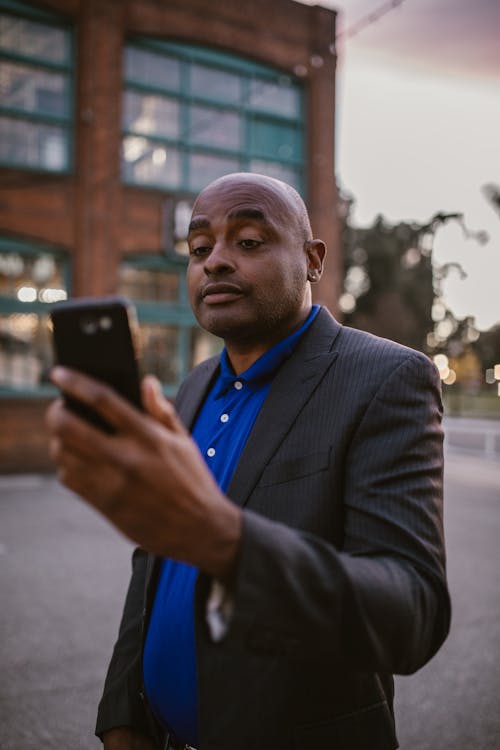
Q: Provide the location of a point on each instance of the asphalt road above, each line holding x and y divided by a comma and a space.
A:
63, 574
453, 703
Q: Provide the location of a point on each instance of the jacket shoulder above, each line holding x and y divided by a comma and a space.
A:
361, 347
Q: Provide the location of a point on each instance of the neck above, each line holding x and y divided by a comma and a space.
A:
243, 353
241, 358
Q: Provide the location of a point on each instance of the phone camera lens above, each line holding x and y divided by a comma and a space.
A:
88, 325
106, 323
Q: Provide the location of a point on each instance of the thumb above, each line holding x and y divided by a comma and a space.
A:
157, 406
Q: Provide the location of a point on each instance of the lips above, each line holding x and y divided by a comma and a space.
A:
218, 293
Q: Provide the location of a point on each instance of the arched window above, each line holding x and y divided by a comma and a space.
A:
191, 114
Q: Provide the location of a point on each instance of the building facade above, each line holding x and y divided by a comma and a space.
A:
113, 115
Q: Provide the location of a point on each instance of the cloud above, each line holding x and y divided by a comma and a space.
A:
456, 37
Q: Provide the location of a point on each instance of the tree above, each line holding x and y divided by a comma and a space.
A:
392, 287
492, 194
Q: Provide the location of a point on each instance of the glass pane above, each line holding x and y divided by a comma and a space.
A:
23, 87
215, 84
151, 114
33, 39
280, 97
268, 138
214, 127
180, 225
160, 351
32, 145
182, 216
28, 278
25, 350
145, 284
203, 168
279, 171
203, 346
152, 69
148, 163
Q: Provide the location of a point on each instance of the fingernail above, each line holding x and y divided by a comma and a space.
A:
155, 383
58, 375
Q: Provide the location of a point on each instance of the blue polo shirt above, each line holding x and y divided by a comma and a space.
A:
221, 431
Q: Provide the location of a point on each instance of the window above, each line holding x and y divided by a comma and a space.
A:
191, 114
35, 89
32, 278
171, 344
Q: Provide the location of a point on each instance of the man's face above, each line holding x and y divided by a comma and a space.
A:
247, 273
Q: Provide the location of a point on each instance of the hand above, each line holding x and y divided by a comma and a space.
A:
148, 478
125, 738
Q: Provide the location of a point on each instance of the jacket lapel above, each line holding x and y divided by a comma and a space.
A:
291, 389
190, 399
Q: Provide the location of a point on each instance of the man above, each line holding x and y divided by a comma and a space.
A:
291, 555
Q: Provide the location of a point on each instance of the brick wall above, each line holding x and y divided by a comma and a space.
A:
96, 219
23, 437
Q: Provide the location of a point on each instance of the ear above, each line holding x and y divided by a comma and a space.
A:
316, 251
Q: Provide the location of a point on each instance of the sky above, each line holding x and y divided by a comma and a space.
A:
418, 129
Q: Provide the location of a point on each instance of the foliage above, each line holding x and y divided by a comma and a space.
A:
391, 286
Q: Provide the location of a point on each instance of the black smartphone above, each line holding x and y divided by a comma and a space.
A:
98, 336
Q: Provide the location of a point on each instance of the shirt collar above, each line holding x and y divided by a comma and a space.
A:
264, 368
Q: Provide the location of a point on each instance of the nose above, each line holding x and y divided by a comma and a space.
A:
219, 260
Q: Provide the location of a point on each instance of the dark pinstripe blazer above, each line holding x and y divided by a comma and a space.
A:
341, 577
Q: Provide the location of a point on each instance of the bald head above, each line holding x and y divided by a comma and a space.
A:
283, 196
252, 260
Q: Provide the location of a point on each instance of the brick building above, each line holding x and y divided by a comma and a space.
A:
113, 115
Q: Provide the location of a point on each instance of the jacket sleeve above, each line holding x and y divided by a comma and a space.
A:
122, 703
380, 601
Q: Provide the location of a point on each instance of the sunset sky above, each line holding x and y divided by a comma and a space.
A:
418, 112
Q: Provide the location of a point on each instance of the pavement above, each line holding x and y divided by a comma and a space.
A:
63, 577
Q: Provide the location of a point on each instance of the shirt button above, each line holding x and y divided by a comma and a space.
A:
238, 385
224, 418
211, 452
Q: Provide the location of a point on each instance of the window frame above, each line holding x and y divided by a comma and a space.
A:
178, 313
64, 122
248, 72
9, 305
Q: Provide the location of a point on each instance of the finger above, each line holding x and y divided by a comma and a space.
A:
52, 413
69, 464
97, 481
68, 432
60, 420
70, 470
157, 405
63, 455
88, 482
100, 397
55, 449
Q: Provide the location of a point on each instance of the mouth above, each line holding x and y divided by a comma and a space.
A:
218, 293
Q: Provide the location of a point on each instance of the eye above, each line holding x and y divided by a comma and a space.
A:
249, 244
199, 251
